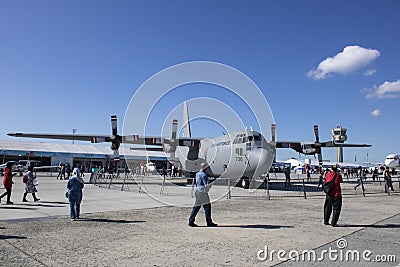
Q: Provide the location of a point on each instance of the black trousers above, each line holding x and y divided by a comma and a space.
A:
8, 194
335, 204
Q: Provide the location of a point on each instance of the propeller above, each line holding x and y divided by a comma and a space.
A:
273, 140
172, 141
318, 145
115, 139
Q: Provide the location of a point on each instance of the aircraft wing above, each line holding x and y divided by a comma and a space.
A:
160, 141
289, 144
333, 144
129, 139
80, 137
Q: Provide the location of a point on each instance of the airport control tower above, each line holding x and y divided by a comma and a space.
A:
339, 136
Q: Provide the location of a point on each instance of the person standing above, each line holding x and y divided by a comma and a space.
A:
75, 185
388, 180
321, 177
60, 171
359, 177
30, 186
203, 186
333, 200
287, 177
8, 182
67, 170
308, 172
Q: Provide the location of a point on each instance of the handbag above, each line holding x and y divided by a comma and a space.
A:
328, 187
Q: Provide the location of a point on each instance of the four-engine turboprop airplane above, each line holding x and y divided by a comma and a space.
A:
392, 161
238, 155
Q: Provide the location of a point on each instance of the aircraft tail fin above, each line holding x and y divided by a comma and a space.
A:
186, 124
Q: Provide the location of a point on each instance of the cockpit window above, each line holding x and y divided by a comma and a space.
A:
257, 138
239, 139
243, 138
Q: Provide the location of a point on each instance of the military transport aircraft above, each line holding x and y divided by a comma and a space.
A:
238, 155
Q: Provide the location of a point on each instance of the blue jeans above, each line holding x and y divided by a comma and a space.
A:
75, 199
202, 199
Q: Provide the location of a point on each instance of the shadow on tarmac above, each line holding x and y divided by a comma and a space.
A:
254, 226
3, 237
43, 205
16, 208
109, 220
372, 225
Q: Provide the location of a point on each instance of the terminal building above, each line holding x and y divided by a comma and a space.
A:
87, 156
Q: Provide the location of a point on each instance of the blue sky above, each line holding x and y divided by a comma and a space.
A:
72, 64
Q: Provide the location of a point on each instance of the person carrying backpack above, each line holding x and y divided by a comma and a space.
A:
30, 187
333, 200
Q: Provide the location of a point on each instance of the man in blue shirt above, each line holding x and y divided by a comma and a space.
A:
202, 199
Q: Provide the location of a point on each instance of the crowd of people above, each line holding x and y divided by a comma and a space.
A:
328, 177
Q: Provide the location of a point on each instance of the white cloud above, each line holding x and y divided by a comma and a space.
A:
385, 90
349, 60
369, 72
376, 113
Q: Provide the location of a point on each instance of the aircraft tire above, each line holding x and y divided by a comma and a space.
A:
245, 183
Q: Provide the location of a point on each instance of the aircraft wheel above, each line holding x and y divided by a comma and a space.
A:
245, 183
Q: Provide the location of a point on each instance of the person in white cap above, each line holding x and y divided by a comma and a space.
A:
75, 186
203, 186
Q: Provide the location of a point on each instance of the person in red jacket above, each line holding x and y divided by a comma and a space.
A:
334, 199
7, 181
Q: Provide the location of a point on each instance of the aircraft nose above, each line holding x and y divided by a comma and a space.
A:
259, 161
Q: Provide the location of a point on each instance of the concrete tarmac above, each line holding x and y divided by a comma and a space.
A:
131, 229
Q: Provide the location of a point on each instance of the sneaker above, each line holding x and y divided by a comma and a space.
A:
24, 200
326, 223
36, 200
9, 202
335, 225
192, 225
212, 225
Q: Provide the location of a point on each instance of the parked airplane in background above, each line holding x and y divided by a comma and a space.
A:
239, 155
392, 161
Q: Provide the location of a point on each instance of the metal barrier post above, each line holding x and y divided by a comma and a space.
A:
304, 190
193, 183
229, 189
111, 177
268, 195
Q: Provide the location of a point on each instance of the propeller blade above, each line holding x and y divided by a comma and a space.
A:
116, 154
172, 156
316, 132
320, 158
114, 125
115, 139
273, 141
173, 141
273, 132
174, 128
